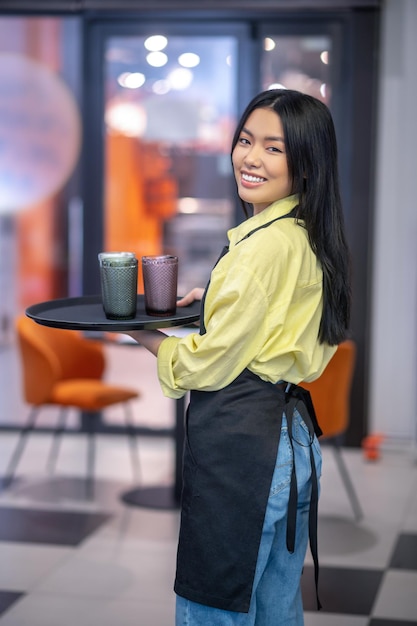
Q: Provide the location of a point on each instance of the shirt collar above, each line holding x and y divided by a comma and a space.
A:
274, 210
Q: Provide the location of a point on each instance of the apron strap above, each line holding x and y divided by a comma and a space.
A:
225, 250
295, 397
292, 213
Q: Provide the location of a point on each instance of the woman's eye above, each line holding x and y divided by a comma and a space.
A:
244, 141
274, 149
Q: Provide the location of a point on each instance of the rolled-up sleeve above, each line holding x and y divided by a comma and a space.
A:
211, 361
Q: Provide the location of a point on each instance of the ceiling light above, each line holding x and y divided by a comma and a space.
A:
276, 86
126, 118
189, 59
180, 78
161, 87
155, 43
131, 80
269, 44
157, 59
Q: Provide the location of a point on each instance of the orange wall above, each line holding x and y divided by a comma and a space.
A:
140, 194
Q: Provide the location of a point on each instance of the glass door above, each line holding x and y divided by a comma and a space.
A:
170, 107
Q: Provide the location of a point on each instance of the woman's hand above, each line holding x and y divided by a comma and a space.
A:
195, 294
152, 339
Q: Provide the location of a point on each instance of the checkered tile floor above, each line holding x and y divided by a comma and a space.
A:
68, 559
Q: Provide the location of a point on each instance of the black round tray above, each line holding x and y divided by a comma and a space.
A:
86, 313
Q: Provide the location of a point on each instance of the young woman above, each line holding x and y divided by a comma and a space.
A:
276, 307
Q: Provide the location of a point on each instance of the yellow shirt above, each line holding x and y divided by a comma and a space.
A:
262, 312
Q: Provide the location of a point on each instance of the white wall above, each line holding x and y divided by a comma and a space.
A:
393, 384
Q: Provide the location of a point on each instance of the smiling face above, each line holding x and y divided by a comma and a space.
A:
260, 161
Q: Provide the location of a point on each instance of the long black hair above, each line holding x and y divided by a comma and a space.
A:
311, 150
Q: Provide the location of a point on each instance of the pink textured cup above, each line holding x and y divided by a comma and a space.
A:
160, 281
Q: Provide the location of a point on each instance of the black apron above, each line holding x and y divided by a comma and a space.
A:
231, 444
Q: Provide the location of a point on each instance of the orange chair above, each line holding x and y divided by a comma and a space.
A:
330, 394
63, 368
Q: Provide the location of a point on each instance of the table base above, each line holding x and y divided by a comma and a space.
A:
152, 497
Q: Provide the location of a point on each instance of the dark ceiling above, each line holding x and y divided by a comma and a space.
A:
79, 6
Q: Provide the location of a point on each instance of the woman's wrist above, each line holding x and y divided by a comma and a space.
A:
149, 339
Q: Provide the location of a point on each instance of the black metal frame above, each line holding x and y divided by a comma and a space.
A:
355, 38
83, 6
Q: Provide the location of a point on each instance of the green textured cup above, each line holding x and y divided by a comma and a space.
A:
119, 284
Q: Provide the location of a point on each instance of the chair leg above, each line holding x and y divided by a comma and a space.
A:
91, 453
57, 437
20, 446
133, 441
357, 509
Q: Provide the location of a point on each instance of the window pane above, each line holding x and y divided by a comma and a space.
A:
298, 62
169, 115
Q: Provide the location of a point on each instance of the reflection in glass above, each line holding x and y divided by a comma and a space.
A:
298, 62
169, 127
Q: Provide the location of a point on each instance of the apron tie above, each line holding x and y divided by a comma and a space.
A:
299, 397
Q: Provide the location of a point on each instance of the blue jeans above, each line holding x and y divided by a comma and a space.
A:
276, 595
